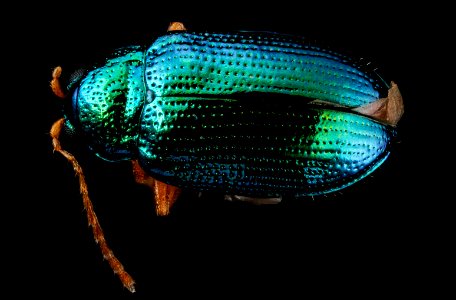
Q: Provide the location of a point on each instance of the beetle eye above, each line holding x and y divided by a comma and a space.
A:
75, 77
71, 108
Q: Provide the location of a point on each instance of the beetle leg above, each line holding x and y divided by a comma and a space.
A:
165, 195
253, 200
176, 26
115, 264
55, 82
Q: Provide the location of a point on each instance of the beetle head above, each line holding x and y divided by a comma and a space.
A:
105, 103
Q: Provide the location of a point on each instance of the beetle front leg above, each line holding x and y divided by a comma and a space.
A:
165, 195
55, 82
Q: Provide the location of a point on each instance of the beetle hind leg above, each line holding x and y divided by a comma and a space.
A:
165, 195
253, 200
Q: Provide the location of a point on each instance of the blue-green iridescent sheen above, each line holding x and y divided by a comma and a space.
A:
224, 64
108, 103
257, 150
231, 112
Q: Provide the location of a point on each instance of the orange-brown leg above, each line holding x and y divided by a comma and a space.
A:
176, 26
55, 82
165, 195
115, 264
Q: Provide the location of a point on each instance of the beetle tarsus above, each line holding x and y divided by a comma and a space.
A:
165, 195
115, 264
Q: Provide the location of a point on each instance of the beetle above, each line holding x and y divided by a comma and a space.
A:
255, 115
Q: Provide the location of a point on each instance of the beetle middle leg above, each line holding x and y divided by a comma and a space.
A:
165, 195
176, 26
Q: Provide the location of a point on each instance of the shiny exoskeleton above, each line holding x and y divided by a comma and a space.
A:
255, 114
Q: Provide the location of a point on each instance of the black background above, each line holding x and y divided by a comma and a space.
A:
366, 240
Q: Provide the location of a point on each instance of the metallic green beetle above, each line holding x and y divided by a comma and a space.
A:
235, 113
261, 115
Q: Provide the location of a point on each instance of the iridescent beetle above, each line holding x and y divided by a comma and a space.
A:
254, 115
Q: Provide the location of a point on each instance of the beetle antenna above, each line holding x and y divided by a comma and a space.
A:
115, 264
55, 82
